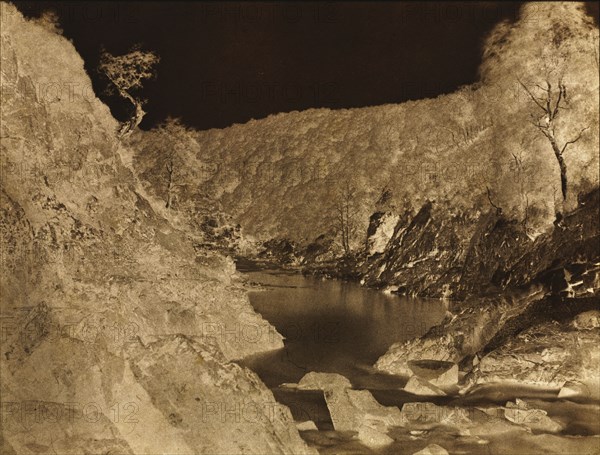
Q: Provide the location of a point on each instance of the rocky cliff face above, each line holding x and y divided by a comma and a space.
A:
433, 254
525, 329
117, 335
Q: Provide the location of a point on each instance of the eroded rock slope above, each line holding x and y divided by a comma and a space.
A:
117, 336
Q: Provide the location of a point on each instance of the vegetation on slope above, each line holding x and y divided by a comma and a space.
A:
484, 147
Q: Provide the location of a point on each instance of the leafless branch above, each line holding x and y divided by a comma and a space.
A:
548, 99
572, 141
534, 99
489, 195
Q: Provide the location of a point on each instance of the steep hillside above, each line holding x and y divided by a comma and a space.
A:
552, 279
117, 336
288, 175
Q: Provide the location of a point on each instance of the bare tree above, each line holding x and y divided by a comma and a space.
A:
175, 142
167, 159
345, 208
595, 45
550, 105
519, 167
126, 72
170, 183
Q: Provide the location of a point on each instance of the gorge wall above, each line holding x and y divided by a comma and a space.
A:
287, 175
437, 197
117, 335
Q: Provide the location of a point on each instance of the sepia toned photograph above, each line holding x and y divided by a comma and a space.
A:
299, 228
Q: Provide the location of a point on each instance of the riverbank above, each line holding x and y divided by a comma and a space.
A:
542, 291
530, 332
332, 414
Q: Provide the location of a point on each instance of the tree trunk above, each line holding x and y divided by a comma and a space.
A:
137, 117
563, 176
562, 165
169, 186
347, 239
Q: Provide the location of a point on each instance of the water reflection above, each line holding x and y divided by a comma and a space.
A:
343, 328
334, 327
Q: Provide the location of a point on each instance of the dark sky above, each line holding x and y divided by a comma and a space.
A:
228, 62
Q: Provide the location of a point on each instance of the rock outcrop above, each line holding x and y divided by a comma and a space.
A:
117, 335
461, 335
354, 410
547, 355
554, 279
432, 254
382, 226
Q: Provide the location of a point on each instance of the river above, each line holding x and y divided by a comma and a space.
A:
336, 327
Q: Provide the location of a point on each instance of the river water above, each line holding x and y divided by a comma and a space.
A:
336, 327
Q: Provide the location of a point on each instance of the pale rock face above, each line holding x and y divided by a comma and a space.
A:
306, 426
377, 242
438, 373
419, 386
121, 338
354, 410
548, 355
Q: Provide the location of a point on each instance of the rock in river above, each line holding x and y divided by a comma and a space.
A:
436, 372
520, 413
354, 410
419, 386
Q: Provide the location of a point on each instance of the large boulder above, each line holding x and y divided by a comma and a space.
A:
432, 449
521, 413
354, 410
419, 386
324, 381
549, 355
436, 372
429, 415
463, 334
